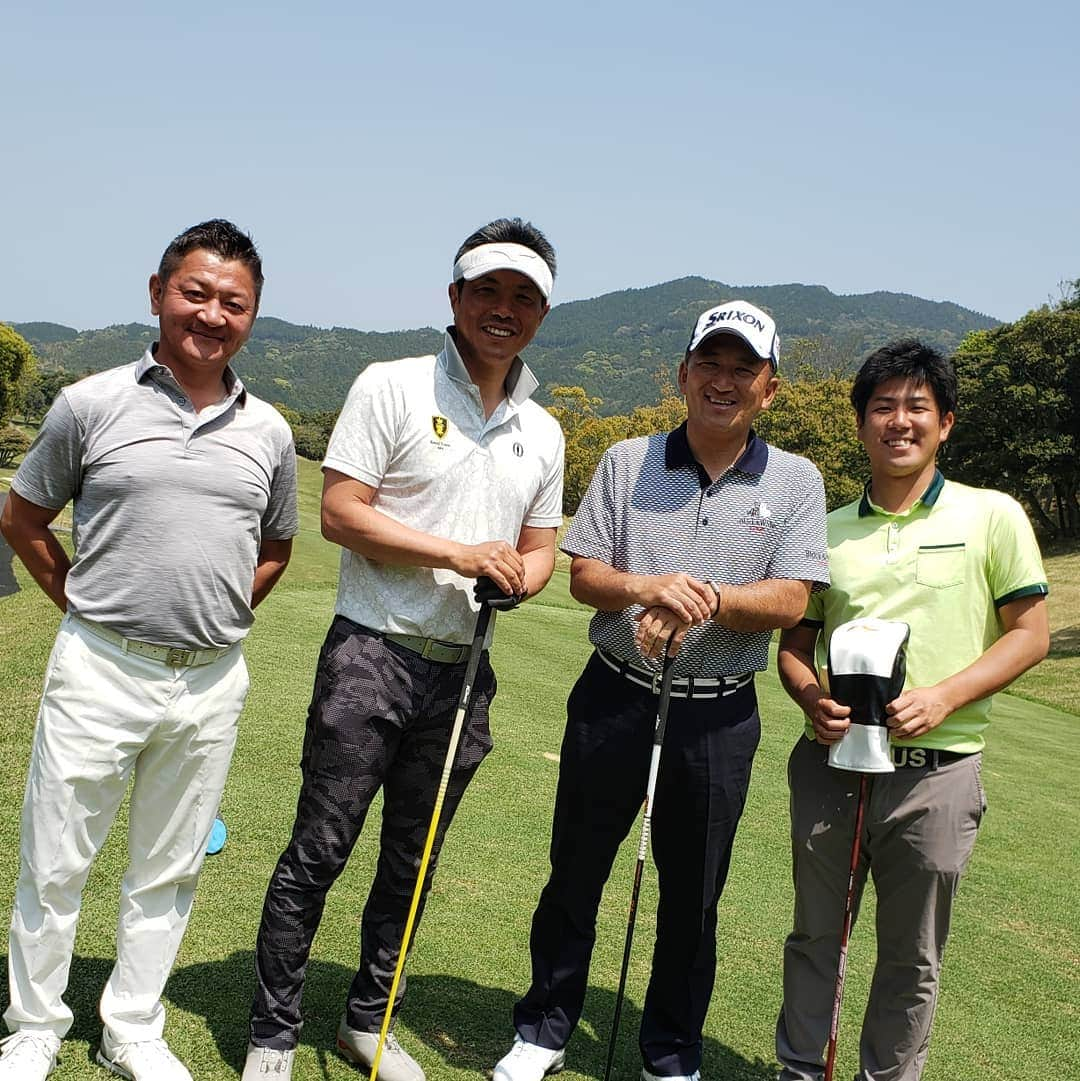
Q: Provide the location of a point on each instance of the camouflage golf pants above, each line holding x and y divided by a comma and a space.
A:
379, 715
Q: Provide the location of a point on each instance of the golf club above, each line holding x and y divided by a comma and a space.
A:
483, 620
867, 667
643, 847
849, 906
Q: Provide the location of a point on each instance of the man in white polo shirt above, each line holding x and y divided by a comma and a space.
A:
183, 489
440, 471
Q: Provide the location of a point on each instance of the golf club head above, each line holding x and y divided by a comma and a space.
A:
867, 664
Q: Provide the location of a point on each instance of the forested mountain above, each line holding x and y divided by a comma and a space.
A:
612, 345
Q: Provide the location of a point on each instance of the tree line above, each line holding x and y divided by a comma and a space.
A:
1018, 426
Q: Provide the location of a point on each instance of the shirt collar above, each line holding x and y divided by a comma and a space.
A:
520, 384
678, 455
234, 387
927, 499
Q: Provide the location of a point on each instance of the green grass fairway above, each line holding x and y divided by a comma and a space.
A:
1056, 682
1010, 1004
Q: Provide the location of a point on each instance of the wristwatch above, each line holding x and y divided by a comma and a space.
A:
719, 597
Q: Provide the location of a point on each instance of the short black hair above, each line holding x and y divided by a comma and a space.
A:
906, 358
220, 237
511, 231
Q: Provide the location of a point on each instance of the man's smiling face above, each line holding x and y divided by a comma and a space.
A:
206, 309
902, 428
496, 316
725, 386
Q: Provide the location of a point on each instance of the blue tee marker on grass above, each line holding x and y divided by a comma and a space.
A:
217, 838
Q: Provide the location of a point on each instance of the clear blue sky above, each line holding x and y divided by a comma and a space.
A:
927, 148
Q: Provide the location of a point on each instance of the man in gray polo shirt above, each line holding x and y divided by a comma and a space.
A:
441, 470
707, 538
184, 506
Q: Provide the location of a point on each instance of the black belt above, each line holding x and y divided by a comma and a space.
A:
690, 687
923, 757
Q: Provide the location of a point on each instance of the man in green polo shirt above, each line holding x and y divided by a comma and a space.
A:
961, 567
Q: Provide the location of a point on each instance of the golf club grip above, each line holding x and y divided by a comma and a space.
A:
654, 761
666, 675
483, 621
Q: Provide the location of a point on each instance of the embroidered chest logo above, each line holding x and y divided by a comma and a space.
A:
519, 450
758, 519
440, 426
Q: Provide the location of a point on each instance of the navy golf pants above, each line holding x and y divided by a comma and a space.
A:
379, 716
700, 793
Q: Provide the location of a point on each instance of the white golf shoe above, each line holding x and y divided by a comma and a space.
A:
144, 1060
396, 1064
528, 1062
647, 1076
268, 1064
28, 1055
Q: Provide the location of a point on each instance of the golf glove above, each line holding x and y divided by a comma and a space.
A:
487, 592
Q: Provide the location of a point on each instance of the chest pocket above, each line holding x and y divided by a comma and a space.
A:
940, 566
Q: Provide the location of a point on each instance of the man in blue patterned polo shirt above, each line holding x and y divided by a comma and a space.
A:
708, 538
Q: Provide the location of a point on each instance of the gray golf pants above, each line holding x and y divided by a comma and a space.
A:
918, 833
379, 716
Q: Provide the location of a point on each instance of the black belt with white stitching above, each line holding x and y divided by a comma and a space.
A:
690, 687
923, 757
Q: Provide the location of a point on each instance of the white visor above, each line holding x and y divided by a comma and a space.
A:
488, 257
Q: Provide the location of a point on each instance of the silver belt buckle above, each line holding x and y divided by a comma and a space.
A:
180, 657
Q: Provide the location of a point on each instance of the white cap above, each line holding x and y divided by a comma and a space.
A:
485, 258
738, 317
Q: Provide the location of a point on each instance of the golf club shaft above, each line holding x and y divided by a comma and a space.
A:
483, 620
849, 908
643, 848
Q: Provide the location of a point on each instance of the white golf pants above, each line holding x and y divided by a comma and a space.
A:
104, 715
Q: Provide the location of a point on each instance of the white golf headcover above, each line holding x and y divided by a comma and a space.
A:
867, 664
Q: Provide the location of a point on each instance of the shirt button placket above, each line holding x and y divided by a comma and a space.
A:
187, 420
893, 543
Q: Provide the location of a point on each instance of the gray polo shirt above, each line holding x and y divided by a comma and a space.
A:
415, 431
651, 509
170, 506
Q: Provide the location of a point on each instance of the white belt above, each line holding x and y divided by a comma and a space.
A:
179, 658
690, 687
